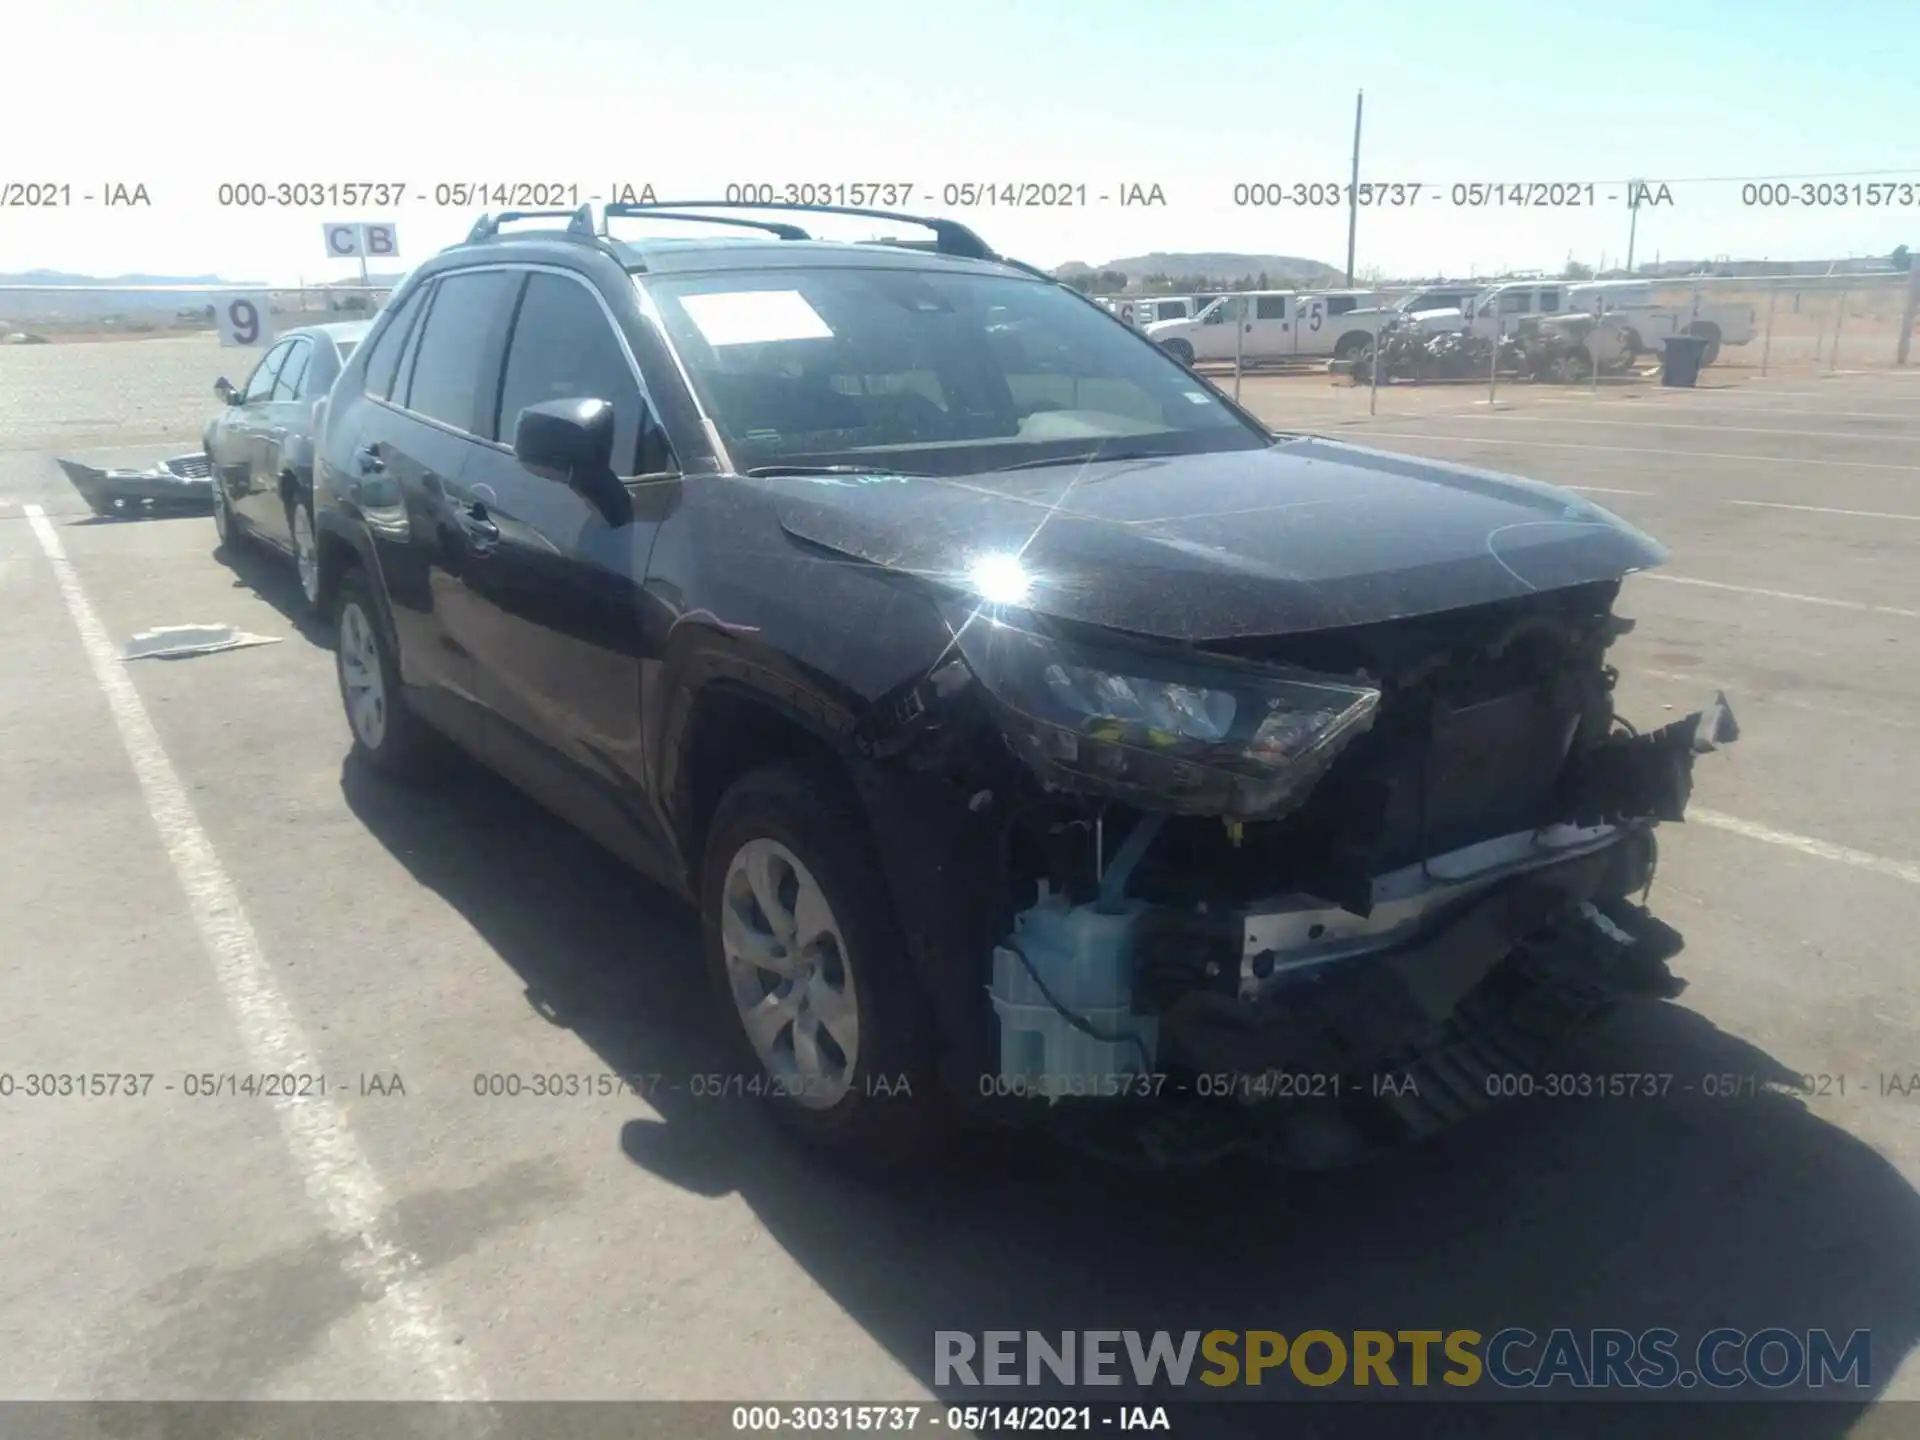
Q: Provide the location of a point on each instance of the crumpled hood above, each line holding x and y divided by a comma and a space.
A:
1309, 534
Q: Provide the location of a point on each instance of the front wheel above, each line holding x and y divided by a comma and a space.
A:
1179, 350
805, 953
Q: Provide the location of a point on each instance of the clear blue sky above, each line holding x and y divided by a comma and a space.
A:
1193, 97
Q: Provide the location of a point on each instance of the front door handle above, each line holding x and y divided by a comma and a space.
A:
369, 460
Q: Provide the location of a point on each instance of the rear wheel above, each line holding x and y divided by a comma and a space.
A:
306, 548
804, 950
386, 734
1701, 330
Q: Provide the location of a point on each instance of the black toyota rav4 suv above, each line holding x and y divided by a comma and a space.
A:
1041, 738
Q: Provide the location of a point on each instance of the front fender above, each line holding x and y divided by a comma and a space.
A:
935, 856
704, 656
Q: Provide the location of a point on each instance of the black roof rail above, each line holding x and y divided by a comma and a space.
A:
585, 221
488, 226
951, 237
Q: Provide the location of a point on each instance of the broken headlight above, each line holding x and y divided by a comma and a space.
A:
1164, 732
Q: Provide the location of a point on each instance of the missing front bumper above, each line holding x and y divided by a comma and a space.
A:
1392, 1058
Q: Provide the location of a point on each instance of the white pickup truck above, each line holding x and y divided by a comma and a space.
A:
1271, 326
1144, 310
1630, 303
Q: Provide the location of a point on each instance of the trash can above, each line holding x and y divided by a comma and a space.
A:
1680, 360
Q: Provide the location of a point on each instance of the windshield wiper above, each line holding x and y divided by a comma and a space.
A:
761, 472
1089, 458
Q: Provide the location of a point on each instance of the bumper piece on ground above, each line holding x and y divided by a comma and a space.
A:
179, 486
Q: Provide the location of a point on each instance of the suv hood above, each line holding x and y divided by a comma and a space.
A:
1308, 534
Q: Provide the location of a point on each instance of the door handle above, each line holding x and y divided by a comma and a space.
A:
369, 459
480, 529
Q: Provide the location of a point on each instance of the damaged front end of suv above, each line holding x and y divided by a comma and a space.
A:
1304, 894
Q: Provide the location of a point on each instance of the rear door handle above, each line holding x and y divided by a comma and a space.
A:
369, 459
478, 526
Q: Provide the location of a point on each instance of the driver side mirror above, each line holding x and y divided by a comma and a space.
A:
566, 441
223, 387
570, 442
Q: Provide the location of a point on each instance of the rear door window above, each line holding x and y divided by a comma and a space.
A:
445, 384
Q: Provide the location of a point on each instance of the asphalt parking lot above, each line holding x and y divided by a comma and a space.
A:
199, 883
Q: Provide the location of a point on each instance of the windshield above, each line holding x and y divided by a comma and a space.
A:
928, 371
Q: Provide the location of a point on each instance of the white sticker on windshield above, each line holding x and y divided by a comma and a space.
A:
1198, 397
755, 317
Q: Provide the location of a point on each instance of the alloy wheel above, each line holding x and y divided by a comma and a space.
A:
306, 553
362, 681
788, 973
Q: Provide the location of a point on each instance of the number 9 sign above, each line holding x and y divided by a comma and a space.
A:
245, 319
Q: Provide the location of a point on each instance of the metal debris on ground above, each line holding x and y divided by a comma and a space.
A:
174, 642
178, 486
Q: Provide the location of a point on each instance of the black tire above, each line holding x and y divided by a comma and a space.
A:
1179, 350
1710, 334
1351, 344
300, 504
403, 747
229, 531
891, 1115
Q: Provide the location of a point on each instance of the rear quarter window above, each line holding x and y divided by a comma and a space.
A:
383, 361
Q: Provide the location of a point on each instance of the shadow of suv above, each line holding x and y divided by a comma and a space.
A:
1040, 738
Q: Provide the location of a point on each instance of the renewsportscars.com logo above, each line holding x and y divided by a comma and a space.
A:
1511, 1359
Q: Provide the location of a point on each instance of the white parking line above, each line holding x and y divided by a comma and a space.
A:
1603, 490
1820, 849
1821, 510
402, 1309
1807, 461
1779, 594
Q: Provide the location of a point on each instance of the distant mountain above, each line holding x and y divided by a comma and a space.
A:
1217, 266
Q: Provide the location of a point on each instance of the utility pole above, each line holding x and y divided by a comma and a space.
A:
1633, 219
1353, 190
